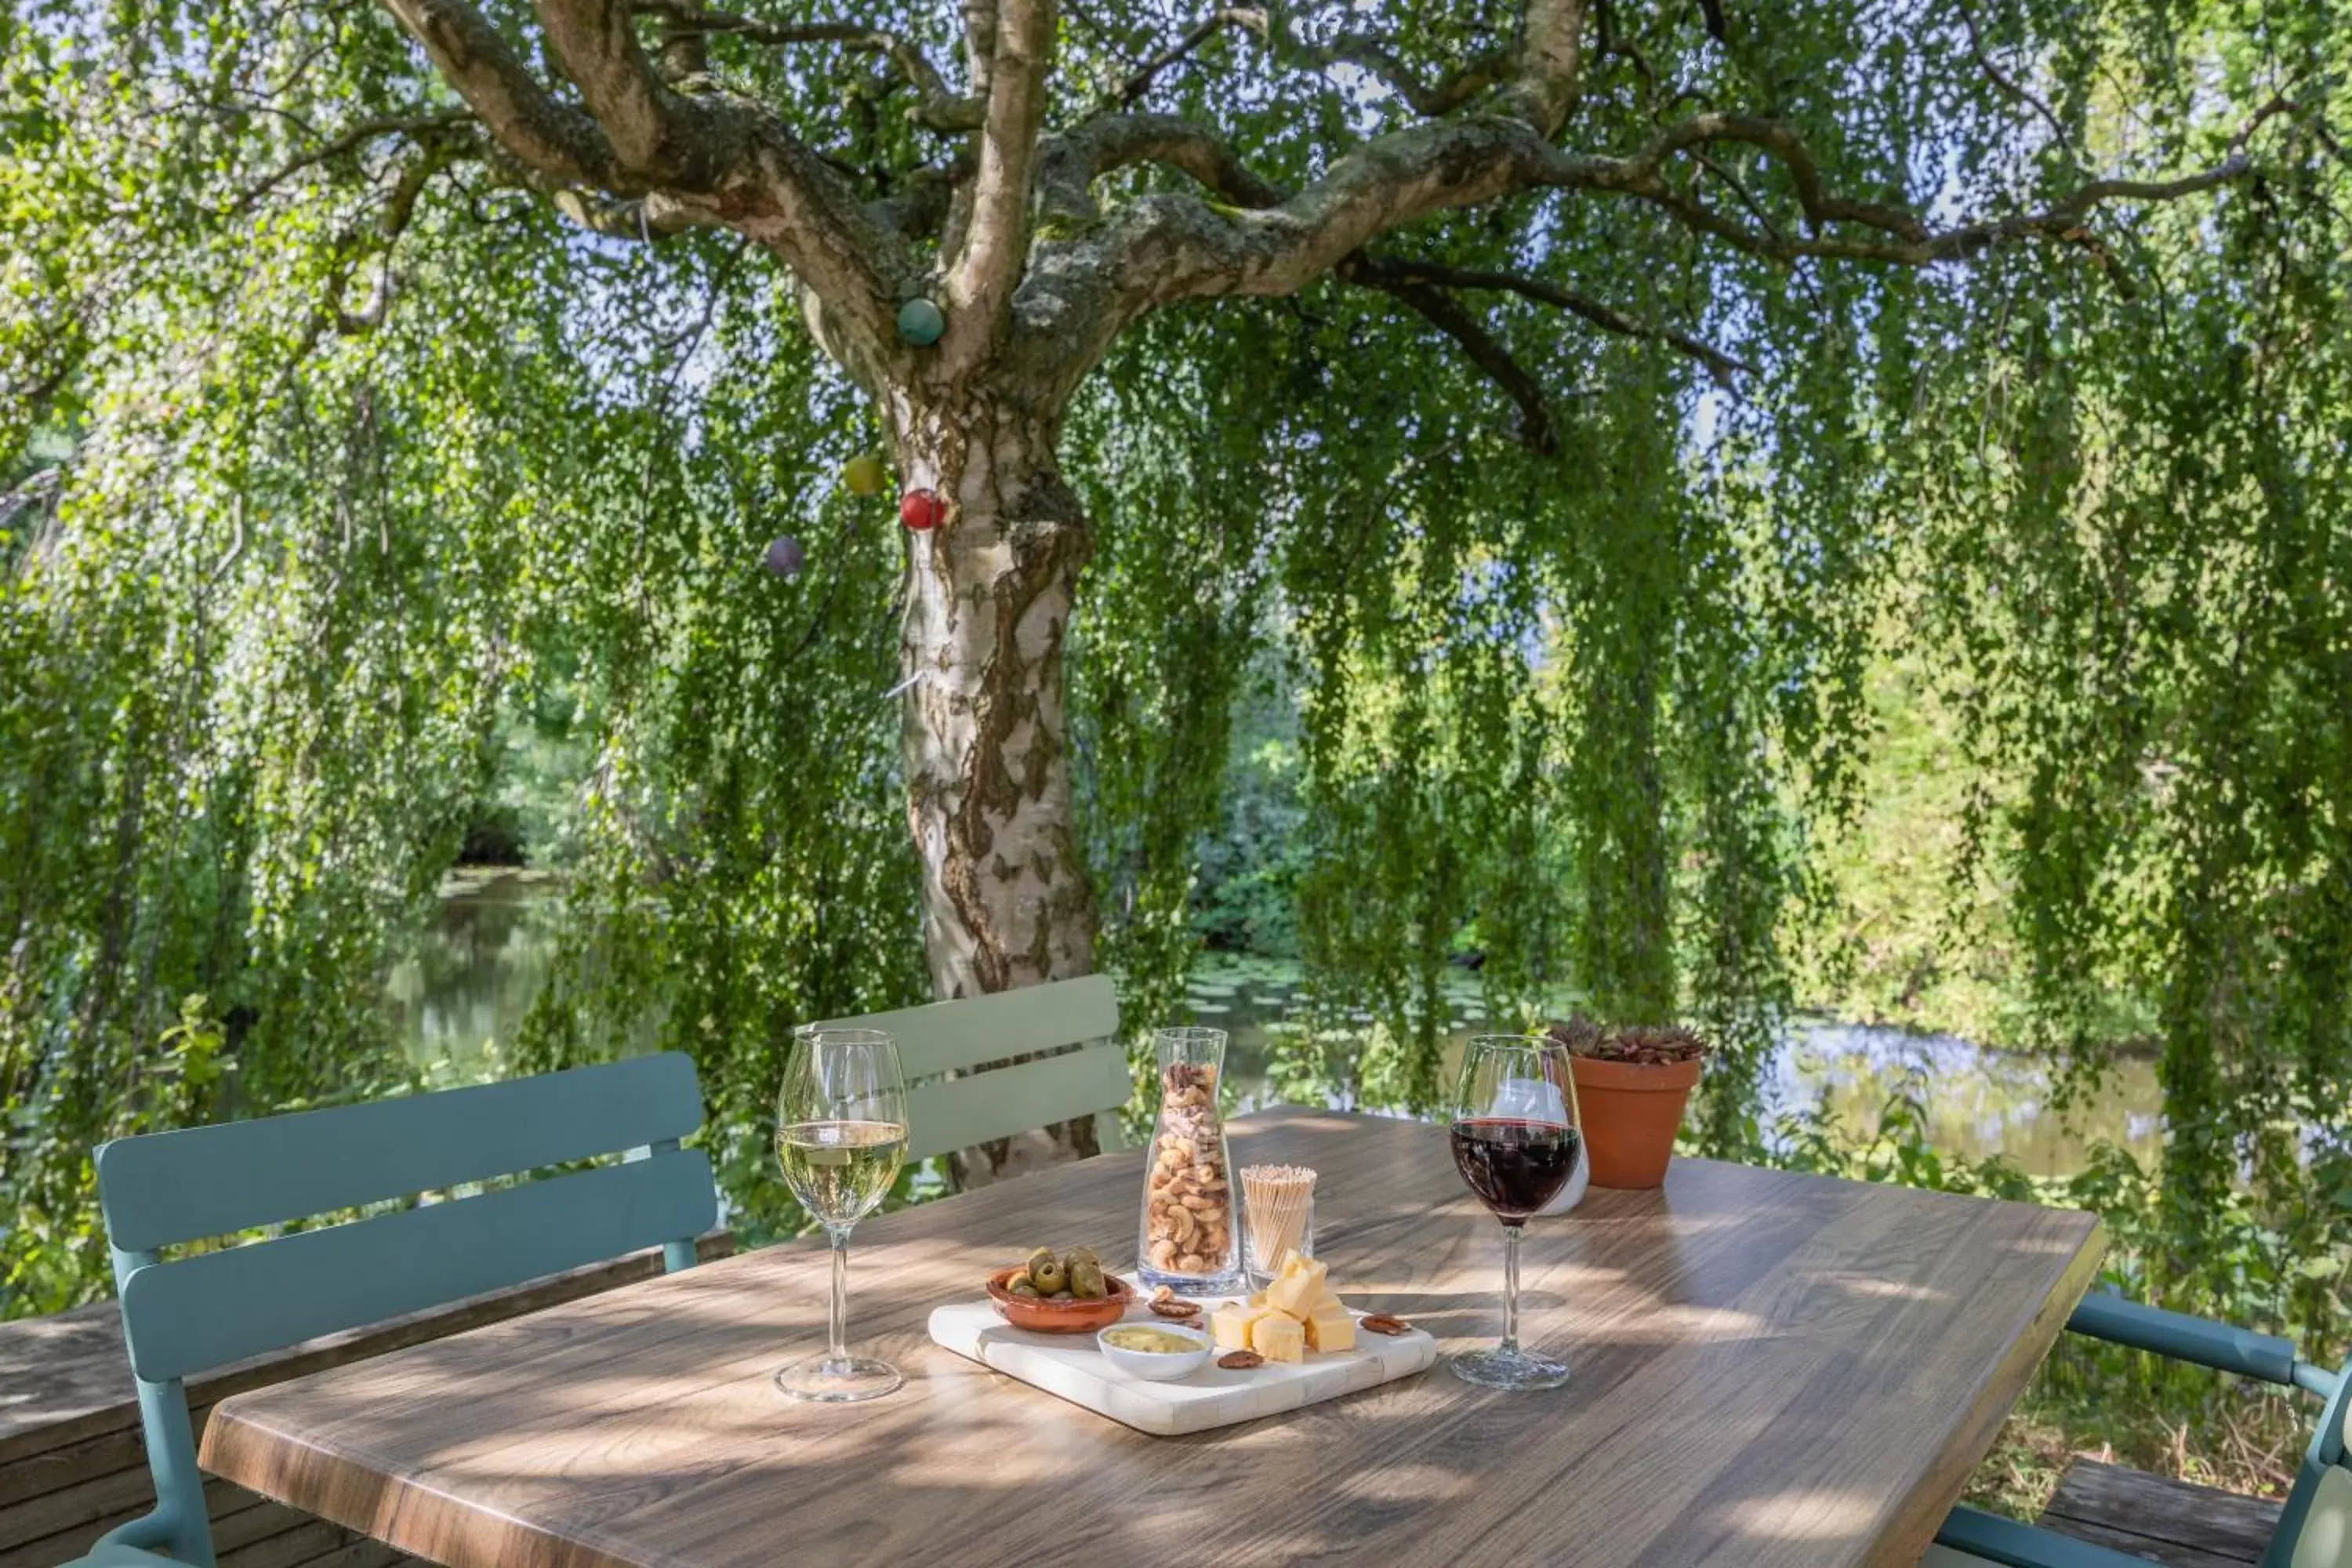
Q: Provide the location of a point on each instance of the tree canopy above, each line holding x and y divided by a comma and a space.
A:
1568, 407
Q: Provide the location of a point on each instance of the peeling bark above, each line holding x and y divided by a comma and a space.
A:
985, 734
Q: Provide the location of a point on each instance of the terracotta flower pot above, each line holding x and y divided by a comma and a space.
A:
1631, 1111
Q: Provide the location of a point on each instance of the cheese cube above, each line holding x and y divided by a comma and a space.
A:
1278, 1338
1331, 1330
1326, 1300
1300, 1283
1258, 1300
1229, 1326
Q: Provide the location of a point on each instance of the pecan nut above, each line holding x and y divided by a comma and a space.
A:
1240, 1361
1383, 1323
1181, 1309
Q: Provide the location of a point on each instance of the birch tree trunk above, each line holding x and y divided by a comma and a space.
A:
985, 731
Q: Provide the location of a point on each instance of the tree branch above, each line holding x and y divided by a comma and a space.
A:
1901, 237
936, 109
2009, 87
718, 158
551, 137
663, 136
996, 240
1448, 93
1069, 164
1138, 81
1448, 315
1167, 247
420, 124
1723, 366
1551, 42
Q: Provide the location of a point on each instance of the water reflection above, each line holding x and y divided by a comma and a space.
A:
470, 979
473, 978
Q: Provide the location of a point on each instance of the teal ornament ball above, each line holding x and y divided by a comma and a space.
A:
921, 322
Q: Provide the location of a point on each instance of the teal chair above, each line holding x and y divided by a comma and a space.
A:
2315, 1529
207, 1309
946, 1113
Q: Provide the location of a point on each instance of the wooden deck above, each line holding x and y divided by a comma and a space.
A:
73, 1464
2175, 1523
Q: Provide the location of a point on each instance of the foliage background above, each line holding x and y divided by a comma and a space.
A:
313, 520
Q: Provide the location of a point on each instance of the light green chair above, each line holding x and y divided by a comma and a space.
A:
180, 1317
2315, 1529
946, 1113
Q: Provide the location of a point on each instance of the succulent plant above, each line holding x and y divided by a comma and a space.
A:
1652, 1045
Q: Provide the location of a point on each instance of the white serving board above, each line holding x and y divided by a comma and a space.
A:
1070, 1366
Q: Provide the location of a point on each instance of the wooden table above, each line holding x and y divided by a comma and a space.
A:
1770, 1369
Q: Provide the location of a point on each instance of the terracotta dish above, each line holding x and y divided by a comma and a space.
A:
1060, 1317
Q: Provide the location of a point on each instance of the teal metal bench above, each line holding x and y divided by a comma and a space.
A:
2315, 1531
948, 1113
201, 1311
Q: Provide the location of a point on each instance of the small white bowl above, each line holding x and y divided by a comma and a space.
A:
1157, 1366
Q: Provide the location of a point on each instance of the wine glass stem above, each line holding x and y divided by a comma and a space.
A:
1511, 1287
838, 1320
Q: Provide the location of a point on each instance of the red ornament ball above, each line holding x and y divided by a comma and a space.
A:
922, 510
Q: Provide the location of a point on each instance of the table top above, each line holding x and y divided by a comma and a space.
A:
1770, 1368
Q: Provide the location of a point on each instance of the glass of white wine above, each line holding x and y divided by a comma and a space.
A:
840, 1136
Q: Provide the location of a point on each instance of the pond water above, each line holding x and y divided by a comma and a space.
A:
464, 994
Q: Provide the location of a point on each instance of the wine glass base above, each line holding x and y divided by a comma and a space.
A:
828, 1380
1499, 1368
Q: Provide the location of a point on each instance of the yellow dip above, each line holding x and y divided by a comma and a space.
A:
1159, 1341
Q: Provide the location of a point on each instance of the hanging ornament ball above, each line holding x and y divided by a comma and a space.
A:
922, 510
785, 557
865, 475
921, 322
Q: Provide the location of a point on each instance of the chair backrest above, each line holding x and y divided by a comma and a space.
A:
210, 1308
943, 1037
2315, 1530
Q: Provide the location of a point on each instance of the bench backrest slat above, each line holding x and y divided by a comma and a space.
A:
198, 1313
204, 1182
954, 1113
945, 1113
948, 1036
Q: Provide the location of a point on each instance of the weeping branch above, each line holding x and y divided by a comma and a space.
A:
2007, 85
1721, 365
1447, 314
373, 240
1138, 81
416, 127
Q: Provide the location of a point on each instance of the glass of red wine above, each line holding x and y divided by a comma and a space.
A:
1515, 1137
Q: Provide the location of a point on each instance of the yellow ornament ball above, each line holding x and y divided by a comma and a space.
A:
866, 475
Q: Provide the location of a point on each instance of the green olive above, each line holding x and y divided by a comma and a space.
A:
1019, 1286
1049, 1274
1039, 1260
1086, 1280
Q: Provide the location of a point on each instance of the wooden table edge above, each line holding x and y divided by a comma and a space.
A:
380, 1515
1922, 1513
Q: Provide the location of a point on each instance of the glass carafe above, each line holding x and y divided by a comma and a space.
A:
1190, 1233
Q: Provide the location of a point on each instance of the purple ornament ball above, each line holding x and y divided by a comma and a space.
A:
785, 557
